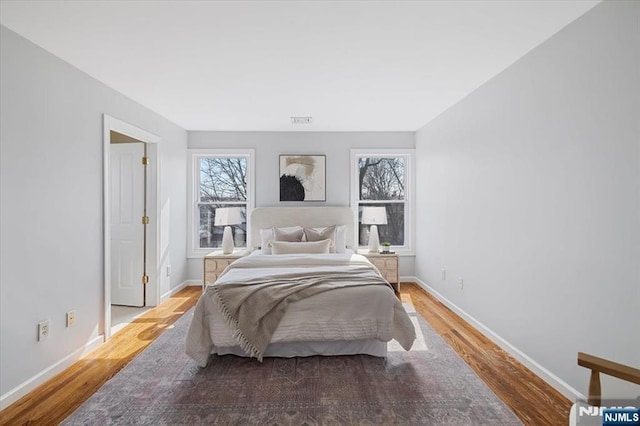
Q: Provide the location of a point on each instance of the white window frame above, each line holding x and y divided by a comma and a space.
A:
194, 156
409, 155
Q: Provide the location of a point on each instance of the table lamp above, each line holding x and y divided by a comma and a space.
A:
227, 216
374, 216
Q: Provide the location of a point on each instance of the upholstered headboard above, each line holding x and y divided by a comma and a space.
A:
270, 217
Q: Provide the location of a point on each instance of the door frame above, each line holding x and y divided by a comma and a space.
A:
153, 211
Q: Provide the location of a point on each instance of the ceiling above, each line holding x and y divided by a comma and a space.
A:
251, 65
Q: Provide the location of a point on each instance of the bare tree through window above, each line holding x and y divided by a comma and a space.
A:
382, 183
223, 183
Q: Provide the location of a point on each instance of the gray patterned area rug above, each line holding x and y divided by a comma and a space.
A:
429, 385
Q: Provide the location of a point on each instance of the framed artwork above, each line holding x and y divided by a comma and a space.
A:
303, 178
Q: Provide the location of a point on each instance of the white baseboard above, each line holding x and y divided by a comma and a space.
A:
21, 390
179, 287
560, 385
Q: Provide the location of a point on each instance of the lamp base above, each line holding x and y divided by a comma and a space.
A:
227, 241
374, 239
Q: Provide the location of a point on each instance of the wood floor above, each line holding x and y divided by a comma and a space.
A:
529, 397
56, 399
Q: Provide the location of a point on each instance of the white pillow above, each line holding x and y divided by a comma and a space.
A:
314, 247
267, 235
341, 237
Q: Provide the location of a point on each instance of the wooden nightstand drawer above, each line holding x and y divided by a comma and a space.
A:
214, 265
217, 265
387, 264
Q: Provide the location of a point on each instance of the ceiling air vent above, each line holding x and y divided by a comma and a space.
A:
300, 120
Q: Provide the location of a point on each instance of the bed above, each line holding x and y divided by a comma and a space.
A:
298, 298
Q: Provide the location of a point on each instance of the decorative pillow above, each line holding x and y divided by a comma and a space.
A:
267, 235
313, 247
340, 242
328, 233
292, 236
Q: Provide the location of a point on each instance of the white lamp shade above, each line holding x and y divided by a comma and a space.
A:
374, 216
228, 216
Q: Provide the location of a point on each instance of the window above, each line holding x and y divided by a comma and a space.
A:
219, 179
382, 178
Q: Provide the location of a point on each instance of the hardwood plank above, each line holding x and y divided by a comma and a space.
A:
528, 396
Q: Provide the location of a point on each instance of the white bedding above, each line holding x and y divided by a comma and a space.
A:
344, 314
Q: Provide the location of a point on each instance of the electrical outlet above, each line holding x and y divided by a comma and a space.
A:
43, 330
168, 270
460, 283
71, 318
444, 275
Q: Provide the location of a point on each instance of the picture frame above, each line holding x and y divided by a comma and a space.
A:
302, 177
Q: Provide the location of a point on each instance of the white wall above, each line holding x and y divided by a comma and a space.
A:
529, 189
51, 204
268, 147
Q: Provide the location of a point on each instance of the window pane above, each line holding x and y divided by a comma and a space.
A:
223, 179
210, 236
381, 178
392, 232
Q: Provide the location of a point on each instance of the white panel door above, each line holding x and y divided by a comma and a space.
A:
127, 231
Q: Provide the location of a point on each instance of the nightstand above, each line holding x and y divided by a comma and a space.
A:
216, 262
387, 264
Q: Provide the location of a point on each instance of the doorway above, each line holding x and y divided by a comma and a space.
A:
131, 223
128, 217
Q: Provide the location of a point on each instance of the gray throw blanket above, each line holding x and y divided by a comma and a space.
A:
253, 309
